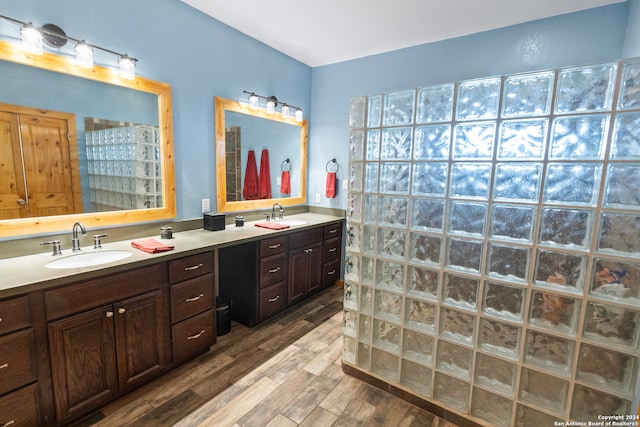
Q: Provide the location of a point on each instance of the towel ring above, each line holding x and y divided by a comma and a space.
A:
332, 161
283, 164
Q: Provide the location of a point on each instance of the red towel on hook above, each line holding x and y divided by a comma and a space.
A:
285, 182
331, 185
264, 181
250, 189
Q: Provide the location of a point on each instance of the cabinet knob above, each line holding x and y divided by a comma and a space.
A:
121, 310
109, 313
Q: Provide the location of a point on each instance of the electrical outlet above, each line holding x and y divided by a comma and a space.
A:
345, 184
317, 197
206, 205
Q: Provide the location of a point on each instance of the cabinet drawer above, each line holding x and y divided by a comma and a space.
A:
191, 297
194, 336
191, 266
272, 269
331, 249
14, 314
305, 238
333, 230
17, 361
330, 273
273, 300
272, 246
20, 409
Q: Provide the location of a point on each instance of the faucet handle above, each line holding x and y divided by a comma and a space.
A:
268, 216
281, 216
96, 240
56, 246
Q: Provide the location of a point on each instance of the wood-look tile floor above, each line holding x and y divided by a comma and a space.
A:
284, 372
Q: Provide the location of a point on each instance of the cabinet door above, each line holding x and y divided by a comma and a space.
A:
298, 273
83, 367
139, 331
314, 278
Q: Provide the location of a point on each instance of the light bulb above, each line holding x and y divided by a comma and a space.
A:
271, 107
127, 67
253, 101
31, 39
84, 55
299, 115
285, 111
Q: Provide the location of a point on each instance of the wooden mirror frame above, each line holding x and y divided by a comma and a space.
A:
52, 62
222, 105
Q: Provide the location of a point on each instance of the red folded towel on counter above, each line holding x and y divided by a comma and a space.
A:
331, 185
151, 245
272, 225
285, 182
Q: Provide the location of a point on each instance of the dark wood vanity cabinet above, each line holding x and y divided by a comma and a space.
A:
331, 254
305, 264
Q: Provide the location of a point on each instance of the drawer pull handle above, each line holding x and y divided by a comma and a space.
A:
333, 249
274, 299
193, 267
194, 298
335, 230
9, 423
121, 310
308, 250
193, 337
6, 365
274, 270
0, 319
332, 272
109, 313
274, 246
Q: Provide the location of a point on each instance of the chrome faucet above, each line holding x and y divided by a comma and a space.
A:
75, 241
273, 211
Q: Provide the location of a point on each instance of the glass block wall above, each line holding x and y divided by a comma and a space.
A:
493, 243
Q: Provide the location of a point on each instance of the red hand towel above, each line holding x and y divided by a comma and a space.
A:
285, 184
331, 185
264, 181
151, 245
250, 189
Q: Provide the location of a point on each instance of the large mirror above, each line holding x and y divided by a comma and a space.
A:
92, 106
246, 137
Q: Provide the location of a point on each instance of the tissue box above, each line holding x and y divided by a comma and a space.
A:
213, 222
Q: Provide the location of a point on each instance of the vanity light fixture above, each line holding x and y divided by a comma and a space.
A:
271, 104
84, 54
31, 39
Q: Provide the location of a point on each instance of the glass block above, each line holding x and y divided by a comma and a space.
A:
478, 99
432, 142
474, 140
394, 177
373, 144
517, 181
367, 271
504, 301
416, 377
391, 243
626, 136
527, 95
491, 407
621, 188
585, 88
435, 104
568, 227
554, 312
354, 207
522, 139
388, 306
350, 298
560, 271
422, 282
454, 359
529, 417
499, 338
349, 350
389, 275
457, 325
357, 111
451, 391
495, 374
579, 137
619, 233
608, 369
464, 255
366, 300
630, 86
355, 176
375, 111
427, 215
370, 209
430, 179
396, 143
508, 262
512, 222
572, 183
364, 328
460, 291
418, 347
394, 211
353, 237
424, 249
543, 390
467, 218
369, 240
549, 352
420, 315
385, 365
471, 180
615, 280
398, 108
608, 325
386, 336
349, 321
356, 145
590, 405
364, 356
352, 267
371, 177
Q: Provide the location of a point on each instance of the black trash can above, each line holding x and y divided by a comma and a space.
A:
223, 315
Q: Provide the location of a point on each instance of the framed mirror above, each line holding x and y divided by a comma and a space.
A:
40, 83
241, 130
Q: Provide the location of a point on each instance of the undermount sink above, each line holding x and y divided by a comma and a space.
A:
291, 222
88, 259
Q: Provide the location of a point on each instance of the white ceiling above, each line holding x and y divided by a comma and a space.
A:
329, 31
